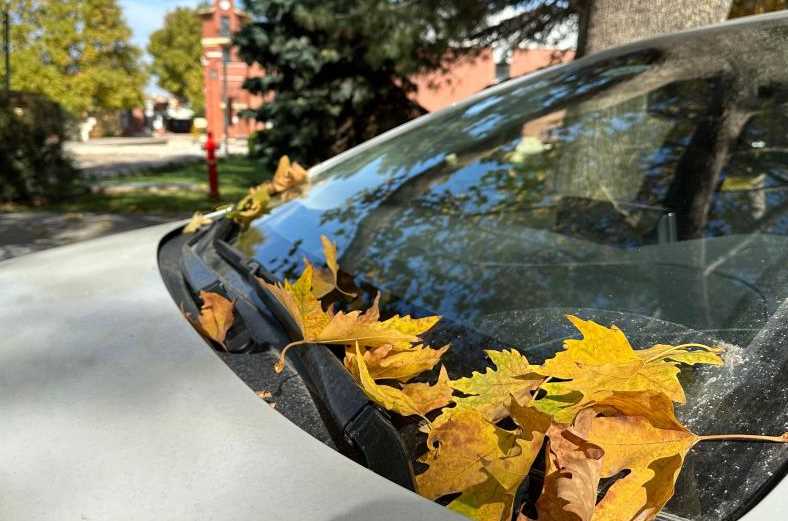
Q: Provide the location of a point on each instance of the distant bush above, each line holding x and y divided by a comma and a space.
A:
33, 164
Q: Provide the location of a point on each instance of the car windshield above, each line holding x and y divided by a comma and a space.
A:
646, 188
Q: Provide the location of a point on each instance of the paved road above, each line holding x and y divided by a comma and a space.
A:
25, 232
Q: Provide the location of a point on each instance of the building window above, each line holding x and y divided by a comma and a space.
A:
501, 71
226, 54
224, 27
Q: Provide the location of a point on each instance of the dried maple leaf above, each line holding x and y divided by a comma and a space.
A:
428, 397
572, 473
487, 501
603, 361
197, 221
502, 469
490, 392
287, 176
251, 206
216, 316
341, 328
325, 281
646, 439
385, 364
386, 396
264, 394
458, 447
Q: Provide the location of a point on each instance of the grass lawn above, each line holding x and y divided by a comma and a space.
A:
188, 190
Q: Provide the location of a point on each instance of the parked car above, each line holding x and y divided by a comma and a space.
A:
645, 186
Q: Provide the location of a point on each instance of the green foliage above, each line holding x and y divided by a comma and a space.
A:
76, 52
176, 50
170, 191
342, 71
32, 161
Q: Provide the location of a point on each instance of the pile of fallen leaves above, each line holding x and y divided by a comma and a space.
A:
599, 409
287, 182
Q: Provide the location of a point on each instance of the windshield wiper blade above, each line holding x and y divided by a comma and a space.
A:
357, 425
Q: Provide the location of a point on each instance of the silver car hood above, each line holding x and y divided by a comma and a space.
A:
113, 407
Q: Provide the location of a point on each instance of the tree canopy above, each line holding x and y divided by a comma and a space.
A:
343, 71
176, 52
76, 52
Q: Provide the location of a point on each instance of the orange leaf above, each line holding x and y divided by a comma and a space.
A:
216, 316
428, 397
404, 365
572, 473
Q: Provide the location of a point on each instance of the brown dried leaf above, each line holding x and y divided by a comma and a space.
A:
404, 365
573, 467
458, 447
216, 316
428, 397
287, 176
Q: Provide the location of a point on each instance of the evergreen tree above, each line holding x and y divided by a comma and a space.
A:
338, 73
176, 50
76, 52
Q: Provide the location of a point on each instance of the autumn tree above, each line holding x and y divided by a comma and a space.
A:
176, 51
77, 52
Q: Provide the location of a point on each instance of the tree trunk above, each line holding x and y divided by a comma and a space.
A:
698, 171
609, 23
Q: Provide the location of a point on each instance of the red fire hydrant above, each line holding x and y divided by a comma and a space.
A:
213, 175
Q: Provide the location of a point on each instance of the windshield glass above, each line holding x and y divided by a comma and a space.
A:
646, 188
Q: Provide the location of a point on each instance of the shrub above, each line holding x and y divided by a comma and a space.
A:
33, 164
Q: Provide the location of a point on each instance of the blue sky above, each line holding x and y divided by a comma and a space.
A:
145, 16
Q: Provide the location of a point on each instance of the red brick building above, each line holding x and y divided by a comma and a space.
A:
219, 21
436, 91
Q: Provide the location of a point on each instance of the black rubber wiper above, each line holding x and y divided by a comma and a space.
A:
359, 427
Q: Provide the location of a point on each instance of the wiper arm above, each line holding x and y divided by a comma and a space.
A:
357, 425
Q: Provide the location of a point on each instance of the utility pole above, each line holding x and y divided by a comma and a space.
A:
7, 49
225, 59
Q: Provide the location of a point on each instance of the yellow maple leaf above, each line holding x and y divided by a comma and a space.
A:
428, 397
386, 396
409, 326
197, 221
341, 328
300, 303
504, 471
603, 361
325, 281
251, 206
458, 447
386, 364
287, 176
491, 392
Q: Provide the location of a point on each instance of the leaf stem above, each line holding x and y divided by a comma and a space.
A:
745, 437
279, 366
539, 387
676, 348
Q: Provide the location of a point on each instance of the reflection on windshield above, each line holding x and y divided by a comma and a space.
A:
649, 189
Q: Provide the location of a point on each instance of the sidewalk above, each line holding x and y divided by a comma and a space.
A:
110, 157
26, 232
